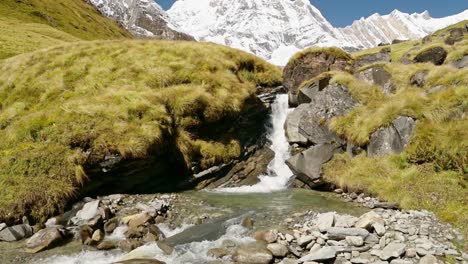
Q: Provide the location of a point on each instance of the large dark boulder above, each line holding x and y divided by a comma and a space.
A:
44, 239
391, 139
307, 165
311, 63
436, 55
384, 55
378, 75
335, 100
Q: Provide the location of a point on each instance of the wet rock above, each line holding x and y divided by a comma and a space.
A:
44, 239
311, 65
392, 250
356, 241
379, 76
98, 236
140, 261
138, 220
111, 225
217, 252
340, 233
428, 259
253, 253
16, 233
278, 250
391, 139
292, 126
248, 222
106, 245
165, 247
307, 165
419, 78
129, 244
334, 100
435, 55
325, 253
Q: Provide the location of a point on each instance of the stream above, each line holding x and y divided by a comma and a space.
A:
268, 203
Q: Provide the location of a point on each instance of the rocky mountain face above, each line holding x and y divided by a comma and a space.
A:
143, 18
276, 29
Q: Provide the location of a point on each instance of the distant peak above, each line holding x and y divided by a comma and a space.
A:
396, 12
426, 14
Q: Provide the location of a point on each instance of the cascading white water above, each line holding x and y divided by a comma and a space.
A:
279, 173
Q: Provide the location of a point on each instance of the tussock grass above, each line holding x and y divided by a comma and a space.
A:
333, 51
67, 107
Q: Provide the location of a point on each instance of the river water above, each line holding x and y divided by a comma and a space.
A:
269, 203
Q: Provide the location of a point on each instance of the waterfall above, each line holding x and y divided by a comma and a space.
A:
279, 173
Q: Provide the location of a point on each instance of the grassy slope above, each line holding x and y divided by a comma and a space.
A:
432, 172
27, 25
59, 105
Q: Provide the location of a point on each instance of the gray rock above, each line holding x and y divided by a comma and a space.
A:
288, 261
356, 241
391, 139
304, 240
308, 92
368, 219
419, 78
379, 228
436, 55
253, 253
292, 126
322, 254
401, 261
89, 211
278, 250
382, 56
44, 239
217, 252
3, 226
334, 100
325, 220
379, 76
270, 236
411, 253
392, 250
435, 89
345, 220
340, 233
16, 233
428, 259
307, 165
462, 63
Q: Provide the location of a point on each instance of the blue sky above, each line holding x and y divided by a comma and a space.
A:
344, 12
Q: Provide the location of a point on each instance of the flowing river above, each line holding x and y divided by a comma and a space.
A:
269, 203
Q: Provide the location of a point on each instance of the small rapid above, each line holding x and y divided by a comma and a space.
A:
279, 174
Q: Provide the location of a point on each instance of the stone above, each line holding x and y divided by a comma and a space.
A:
165, 247
461, 63
270, 236
289, 261
278, 250
428, 259
292, 126
106, 245
253, 253
325, 220
3, 226
308, 91
16, 233
368, 219
311, 65
140, 261
130, 244
401, 261
138, 220
304, 240
217, 252
111, 225
307, 165
325, 253
289, 238
51, 222
411, 253
435, 89
44, 239
334, 100
391, 139
340, 233
355, 241
345, 220
248, 222
86, 233
435, 55
98, 236
419, 78
392, 250
382, 56
379, 76
89, 211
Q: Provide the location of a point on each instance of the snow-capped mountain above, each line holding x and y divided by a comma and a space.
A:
143, 18
376, 29
276, 29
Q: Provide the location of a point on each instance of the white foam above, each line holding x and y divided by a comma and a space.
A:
279, 174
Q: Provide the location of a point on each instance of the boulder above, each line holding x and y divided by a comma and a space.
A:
305, 240
340, 233
111, 225
320, 255
217, 252
270, 236
461, 63
382, 56
435, 55
44, 239
312, 64
355, 241
253, 254
307, 165
129, 244
3, 226
138, 219
378, 75
278, 250
16, 233
325, 220
106, 245
392, 250
334, 100
368, 219
428, 259
89, 211
98, 236
419, 78
292, 126
308, 91
391, 139
86, 233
